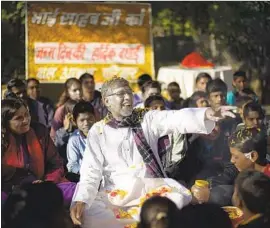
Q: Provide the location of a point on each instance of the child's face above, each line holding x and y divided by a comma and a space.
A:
239, 83
88, 85
240, 110
253, 120
33, 89
75, 92
174, 92
217, 99
157, 105
239, 159
201, 84
202, 102
85, 121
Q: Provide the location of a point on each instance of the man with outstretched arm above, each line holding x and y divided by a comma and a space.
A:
124, 146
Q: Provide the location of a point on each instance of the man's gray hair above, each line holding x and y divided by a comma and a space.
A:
110, 84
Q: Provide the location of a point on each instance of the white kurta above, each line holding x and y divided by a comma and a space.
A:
111, 154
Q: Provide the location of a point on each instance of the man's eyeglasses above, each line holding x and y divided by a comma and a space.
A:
121, 93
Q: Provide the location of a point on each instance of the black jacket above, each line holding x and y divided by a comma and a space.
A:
261, 222
227, 177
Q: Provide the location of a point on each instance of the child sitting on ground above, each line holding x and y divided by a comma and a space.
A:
252, 196
36, 205
151, 88
248, 149
252, 116
171, 148
176, 102
84, 118
239, 83
158, 212
62, 134
201, 81
200, 86
212, 150
137, 98
155, 102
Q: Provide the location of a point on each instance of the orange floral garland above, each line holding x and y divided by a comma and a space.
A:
155, 192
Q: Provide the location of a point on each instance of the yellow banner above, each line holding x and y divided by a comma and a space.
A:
105, 39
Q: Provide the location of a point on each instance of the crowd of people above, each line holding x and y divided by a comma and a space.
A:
57, 159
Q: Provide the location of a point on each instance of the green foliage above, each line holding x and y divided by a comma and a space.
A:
12, 11
13, 51
240, 29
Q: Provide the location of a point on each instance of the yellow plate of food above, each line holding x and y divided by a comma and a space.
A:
235, 214
133, 225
